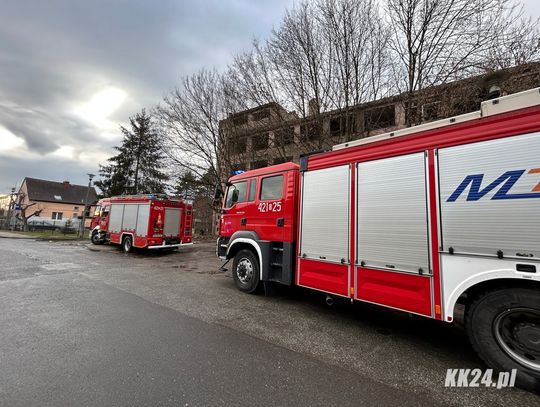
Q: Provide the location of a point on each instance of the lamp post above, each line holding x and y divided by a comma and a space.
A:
81, 229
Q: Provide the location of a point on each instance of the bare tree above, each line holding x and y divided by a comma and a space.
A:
518, 44
250, 79
358, 38
325, 55
25, 211
296, 50
301, 56
189, 117
332, 56
435, 41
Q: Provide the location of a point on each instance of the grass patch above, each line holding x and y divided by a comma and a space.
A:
53, 235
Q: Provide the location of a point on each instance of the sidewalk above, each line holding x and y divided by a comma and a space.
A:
11, 235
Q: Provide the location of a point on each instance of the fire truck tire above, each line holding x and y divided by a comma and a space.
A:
504, 329
127, 244
96, 238
245, 271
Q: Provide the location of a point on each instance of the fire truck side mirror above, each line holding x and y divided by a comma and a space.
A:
218, 194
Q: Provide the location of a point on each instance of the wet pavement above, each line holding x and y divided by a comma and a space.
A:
86, 327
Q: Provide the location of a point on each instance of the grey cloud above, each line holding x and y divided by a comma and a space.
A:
24, 125
54, 170
45, 131
57, 54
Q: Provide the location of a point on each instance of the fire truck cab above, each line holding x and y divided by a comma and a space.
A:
142, 221
418, 220
259, 220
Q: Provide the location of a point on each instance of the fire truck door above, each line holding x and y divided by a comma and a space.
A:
267, 212
234, 208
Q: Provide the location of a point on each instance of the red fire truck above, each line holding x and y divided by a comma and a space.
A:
142, 221
419, 220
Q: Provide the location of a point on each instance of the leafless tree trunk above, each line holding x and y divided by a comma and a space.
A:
24, 216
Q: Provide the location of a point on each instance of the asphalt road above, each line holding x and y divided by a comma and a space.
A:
87, 328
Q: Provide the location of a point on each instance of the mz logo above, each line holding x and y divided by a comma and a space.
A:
508, 179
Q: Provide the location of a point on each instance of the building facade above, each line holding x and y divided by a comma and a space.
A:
269, 134
56, 200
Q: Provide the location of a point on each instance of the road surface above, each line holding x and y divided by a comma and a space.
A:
87, 328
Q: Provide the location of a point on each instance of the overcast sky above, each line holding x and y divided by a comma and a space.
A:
72, 70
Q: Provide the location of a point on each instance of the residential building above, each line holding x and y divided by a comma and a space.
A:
56, 200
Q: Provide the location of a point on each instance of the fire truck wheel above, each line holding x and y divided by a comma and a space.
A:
96, 239
246, 271
504, 329
127, 244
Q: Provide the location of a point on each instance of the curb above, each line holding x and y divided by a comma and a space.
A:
46, 239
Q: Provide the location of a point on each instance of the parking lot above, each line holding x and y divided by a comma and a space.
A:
87, 327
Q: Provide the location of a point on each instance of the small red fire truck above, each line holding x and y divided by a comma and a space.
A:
142, 221
419, 220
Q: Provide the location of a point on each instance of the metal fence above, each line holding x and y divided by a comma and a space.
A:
64, 226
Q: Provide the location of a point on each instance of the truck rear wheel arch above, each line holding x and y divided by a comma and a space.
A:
472, 293
469, 290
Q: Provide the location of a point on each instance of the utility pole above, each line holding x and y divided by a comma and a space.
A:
81, 228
